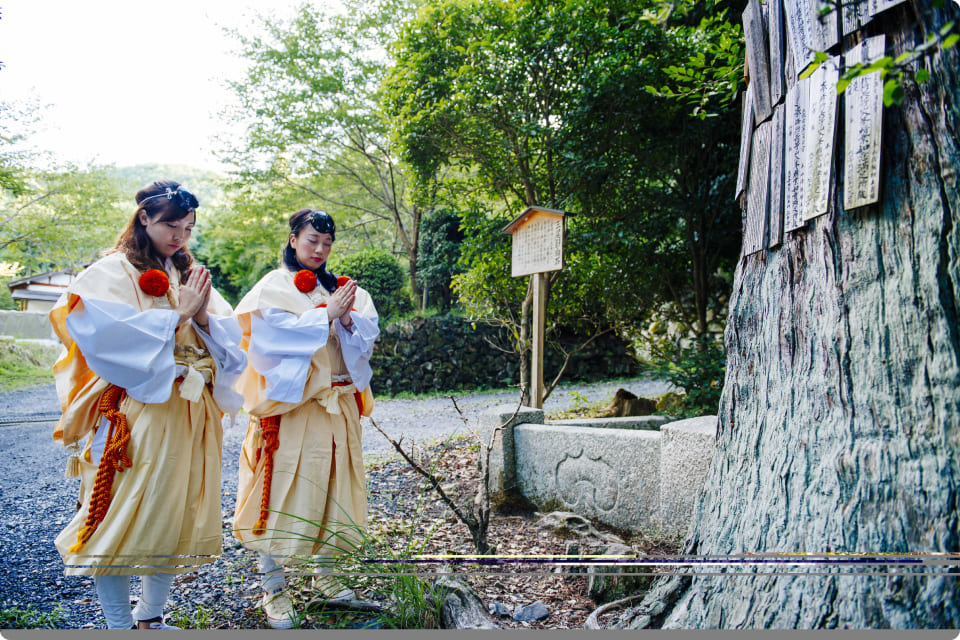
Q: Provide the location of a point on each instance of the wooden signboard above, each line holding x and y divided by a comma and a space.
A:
809, 32
821, 128
758, 194
789, 68
746, 136
775, 221
863, 116
826, 28
537, 241
537, 248
879, 6
758, 59
795, 143
855, 15
777, 50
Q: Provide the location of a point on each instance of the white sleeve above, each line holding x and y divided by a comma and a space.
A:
129, 348
223, 343
357, 347
281, 347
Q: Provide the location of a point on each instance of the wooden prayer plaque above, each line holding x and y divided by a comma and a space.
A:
863, 117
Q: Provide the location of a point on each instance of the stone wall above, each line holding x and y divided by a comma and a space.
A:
26, 324
447, 352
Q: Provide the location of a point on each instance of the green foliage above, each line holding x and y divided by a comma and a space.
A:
25, 364
64, 218
698, 369
380, 274
31, 617
7, 303
314, 128
206, 185
438, 253
244, 238
893, 71
533, 102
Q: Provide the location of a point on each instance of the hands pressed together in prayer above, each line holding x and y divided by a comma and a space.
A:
195, 296
340, 303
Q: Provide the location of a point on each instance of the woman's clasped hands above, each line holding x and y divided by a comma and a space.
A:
341, 301
195, 296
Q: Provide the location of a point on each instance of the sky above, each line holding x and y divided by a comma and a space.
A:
127, 81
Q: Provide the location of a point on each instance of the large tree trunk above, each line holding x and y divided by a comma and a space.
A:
839, 426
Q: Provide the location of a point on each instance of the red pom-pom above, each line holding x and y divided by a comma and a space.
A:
154, 282
305, 280
342, 280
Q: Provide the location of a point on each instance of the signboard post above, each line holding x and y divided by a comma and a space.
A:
537, 249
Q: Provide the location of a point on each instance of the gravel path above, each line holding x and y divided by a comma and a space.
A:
36, 500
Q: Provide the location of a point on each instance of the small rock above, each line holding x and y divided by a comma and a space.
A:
499, 609
531, 612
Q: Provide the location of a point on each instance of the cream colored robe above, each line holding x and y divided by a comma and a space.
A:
165, 511
318, 497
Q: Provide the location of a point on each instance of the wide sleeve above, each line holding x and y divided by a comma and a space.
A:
223, 343
281, 347
126, 347
356, 344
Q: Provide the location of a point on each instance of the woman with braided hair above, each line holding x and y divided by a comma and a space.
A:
151, 353
302, 490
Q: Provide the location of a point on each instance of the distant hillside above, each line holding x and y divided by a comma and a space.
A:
203, 184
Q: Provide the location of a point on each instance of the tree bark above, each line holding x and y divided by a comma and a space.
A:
461, 606
839, 426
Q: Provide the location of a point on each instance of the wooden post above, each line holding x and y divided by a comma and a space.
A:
539, 330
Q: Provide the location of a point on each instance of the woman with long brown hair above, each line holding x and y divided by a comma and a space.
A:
151, 353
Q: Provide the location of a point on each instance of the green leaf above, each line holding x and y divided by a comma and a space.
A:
951, 40
893, 92
885, 62
923, 75
809, 70
947, 28
842, 85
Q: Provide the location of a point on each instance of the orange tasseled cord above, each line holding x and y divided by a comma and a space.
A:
270, 427
114, 459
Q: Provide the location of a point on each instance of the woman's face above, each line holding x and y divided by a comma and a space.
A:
168, 236
312, 247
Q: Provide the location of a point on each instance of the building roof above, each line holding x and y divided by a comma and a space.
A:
38, 277
32, 294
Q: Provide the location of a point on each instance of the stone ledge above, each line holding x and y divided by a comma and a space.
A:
648, 423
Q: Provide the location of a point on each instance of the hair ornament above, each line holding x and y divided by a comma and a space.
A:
179, 196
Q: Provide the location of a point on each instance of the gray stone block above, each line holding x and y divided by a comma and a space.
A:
649, 423
609, 475
686, 450
503, 469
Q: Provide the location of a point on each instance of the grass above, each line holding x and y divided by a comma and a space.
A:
202, 618
31, 618
25, 364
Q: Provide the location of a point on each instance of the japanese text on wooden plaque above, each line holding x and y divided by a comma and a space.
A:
538, 245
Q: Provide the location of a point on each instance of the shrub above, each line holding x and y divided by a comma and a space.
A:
438, 254
697, 368
381, 275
